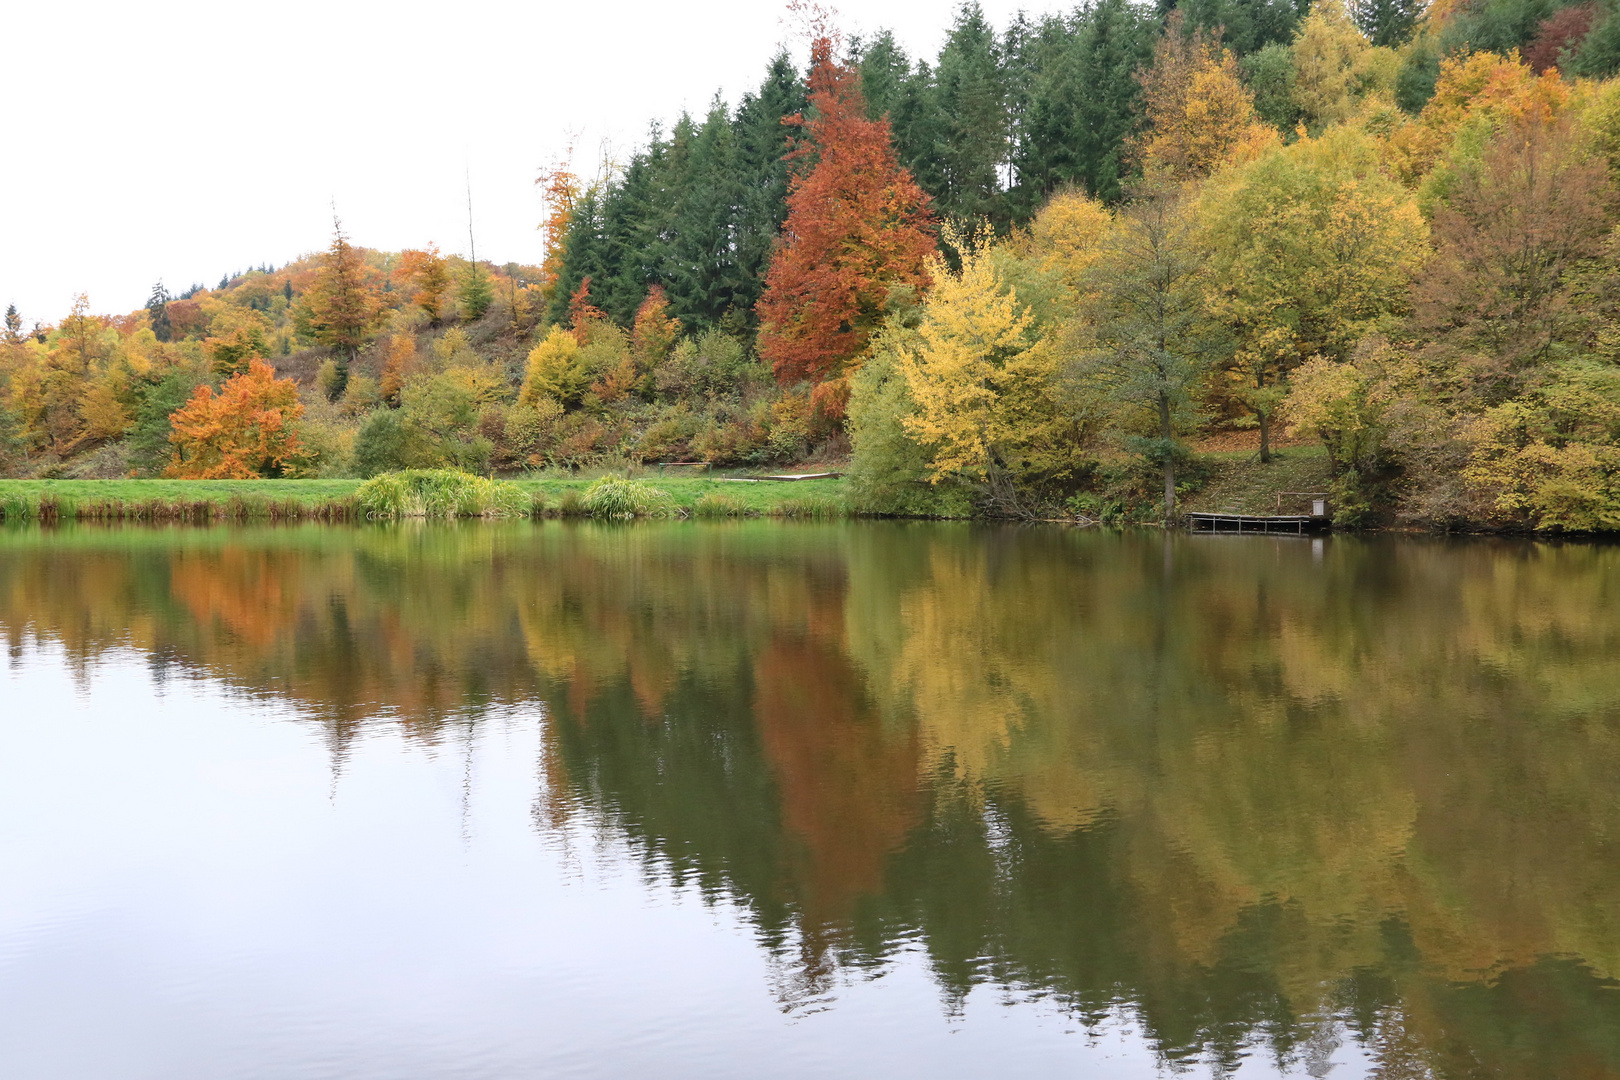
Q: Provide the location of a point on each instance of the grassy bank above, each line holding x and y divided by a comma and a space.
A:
1239, 484
334, 500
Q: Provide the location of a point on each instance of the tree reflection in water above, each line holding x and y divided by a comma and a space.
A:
1253, 792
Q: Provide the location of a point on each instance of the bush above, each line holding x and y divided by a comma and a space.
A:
572, 504
716, 505
811, 507
616, 497
440, 493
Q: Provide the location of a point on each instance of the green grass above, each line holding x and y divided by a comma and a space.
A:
327, 500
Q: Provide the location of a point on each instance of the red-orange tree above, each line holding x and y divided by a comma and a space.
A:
857, 226
244, 430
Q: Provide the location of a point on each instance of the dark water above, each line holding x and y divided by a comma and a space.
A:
846, 800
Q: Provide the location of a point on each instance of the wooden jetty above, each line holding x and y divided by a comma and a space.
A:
1291, 524
1296, 524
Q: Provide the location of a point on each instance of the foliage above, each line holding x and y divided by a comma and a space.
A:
429, 275
1551, 458
440, 493
1199, 114
890, 470
857, 226
1147, 348
1514, 226
980, 372
1327, 54
248, 428
555, 371
341, 307
617, 497
1310, 247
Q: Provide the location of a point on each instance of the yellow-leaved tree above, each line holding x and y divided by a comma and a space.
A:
981, 374
555, 370
1199, 114
1328, 50
1065, 239
1310, 247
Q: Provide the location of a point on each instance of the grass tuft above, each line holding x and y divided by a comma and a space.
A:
439, 493
818, 508
718, 505
616, 497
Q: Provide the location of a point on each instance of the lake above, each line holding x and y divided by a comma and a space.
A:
805, 800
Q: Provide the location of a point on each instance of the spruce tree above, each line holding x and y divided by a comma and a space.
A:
760, 146
14, 334
157, 308
971, 96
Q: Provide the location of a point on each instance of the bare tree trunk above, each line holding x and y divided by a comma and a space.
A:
1265, 438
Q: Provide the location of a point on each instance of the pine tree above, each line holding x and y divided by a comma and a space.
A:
760, 149
971, 96
1082, 100
157, 308
340, 309
14, 334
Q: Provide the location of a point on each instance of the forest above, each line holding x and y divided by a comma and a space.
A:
1044, 274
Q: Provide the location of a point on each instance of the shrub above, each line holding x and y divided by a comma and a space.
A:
809, 507
384, 443
440, 493
616, 497
572, 504
716, 505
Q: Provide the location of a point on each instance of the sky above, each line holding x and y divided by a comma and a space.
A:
186, 140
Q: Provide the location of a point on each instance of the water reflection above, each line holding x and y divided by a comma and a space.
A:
1255, 792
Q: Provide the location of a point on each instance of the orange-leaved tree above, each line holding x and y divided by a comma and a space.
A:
245, 429
857, 226
560, 190
427, 272
342, 307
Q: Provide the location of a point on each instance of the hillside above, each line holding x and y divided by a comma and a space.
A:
1026, 277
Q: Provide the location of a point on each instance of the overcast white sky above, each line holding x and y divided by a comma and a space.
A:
187, 139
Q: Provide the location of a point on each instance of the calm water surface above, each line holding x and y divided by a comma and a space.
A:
805, 801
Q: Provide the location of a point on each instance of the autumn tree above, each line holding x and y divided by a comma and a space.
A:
401, 354
1327, 51
654, 333
1199, 114
857, 226
559, 191
1147, 346
980, 373
340, 309
427, 271
475, 294
1513, 229
1309, 247
248, 428
554, 371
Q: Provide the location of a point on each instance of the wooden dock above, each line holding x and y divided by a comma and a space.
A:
1288, 524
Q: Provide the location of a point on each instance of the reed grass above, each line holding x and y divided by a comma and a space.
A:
818, 508
440, 493
49, 508
617, 497
718, 505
